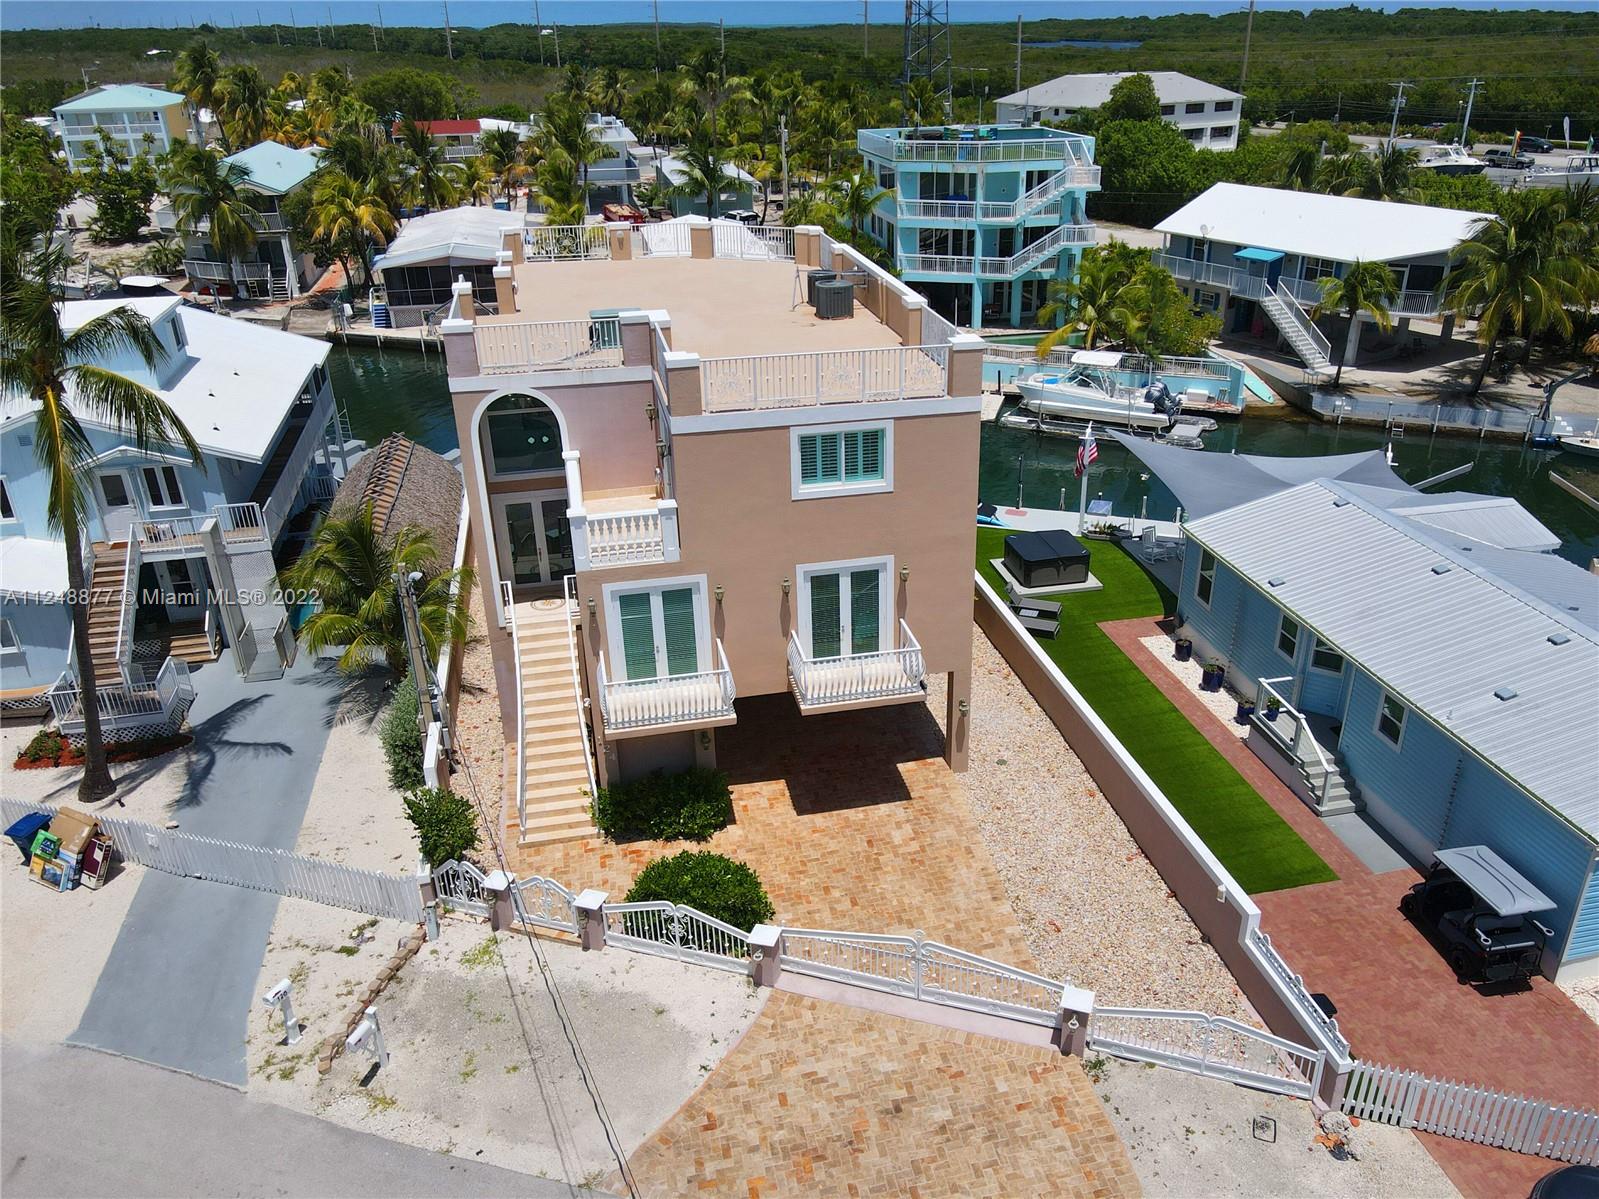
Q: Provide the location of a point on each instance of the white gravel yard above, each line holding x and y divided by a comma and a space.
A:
1224, 702
477, 720
1090, 905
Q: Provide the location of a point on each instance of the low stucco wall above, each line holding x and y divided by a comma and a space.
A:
1223, 912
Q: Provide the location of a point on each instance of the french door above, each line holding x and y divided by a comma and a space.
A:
658, 631
535, 539
844, 610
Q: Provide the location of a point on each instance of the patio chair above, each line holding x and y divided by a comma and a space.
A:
1150, 549
1036, 615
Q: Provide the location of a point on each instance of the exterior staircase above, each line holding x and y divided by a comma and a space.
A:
105, 610
189, 642
555, 798
1294, 323
1342, 794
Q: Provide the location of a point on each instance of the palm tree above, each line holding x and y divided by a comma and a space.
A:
1300, 167
565, 126
205, 187
1384, 175
349, 216
51, 370
1521, 272
1105, 301
702, 174
245, 102
856, 197
502, 149
353, 567
432, 183
1366, 287
556, 189
475, 179
196, 72
609, 91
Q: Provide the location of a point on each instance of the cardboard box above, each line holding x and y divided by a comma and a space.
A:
52, 874
45, 845
74, 828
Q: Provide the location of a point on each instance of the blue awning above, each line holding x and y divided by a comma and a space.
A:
1256, 254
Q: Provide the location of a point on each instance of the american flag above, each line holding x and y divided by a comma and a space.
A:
1087, 451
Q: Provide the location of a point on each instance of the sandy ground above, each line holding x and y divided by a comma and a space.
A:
354, 816
1191, 1136
53, 946
478, 728
147, 789
479, 1064
1091, 906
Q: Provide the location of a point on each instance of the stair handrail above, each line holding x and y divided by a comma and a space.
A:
1302, 319
569, 593
509, 604
129, 607
1301, 730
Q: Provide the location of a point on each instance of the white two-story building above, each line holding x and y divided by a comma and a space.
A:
1205, 114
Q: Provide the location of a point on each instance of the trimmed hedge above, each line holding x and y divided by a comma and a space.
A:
690, 806
445, 824
402, 740
715, 885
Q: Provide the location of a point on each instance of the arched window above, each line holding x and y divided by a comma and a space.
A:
523, 436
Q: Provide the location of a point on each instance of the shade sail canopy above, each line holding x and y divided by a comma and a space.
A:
1494, 881
1206, 482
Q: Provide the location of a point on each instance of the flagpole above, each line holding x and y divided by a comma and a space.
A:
1082, 495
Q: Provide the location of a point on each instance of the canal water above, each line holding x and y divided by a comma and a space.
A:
388, 391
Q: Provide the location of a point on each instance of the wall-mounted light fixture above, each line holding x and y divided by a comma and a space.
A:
591, 608
661, 449
705, 738
720, 592
787, 586
649, 411
964, 706
904, 574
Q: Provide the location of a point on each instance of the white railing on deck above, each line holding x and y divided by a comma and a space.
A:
1034, 253
177, 535
852, 678
825, 377
906, 149
129, 604
241, 523
546, 345
123, 705
938, 264
566, 241
670, 699
732, 239
1212, 1046
666, 239
1301, 744
1301, 318
509, 605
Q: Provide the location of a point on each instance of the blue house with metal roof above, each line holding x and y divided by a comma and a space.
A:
130, 113
1428, 660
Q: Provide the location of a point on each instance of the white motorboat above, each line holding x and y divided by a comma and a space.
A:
1450, 160
1579, 169
1088, 390
1583, 447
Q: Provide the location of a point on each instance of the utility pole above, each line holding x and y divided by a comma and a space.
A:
449, 46
721, 52
657, 5
538, 30
971, 72
557, 29
1466, 123
1249, 32
782, 138
373, 29
1018, 51
1399, 102
866, 19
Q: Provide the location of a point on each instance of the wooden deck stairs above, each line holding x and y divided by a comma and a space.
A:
555, 797
105, 609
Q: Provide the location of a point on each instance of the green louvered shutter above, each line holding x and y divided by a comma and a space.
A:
852, 456
826, 631
827, 468
871, 454
677, 620
863, 611
809, 469
638, 634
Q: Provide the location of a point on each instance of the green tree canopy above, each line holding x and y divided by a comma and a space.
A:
37, 183
1132, 99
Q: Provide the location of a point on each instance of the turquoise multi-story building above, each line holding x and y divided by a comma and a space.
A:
982, 217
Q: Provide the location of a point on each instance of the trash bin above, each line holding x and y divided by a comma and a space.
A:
23, 831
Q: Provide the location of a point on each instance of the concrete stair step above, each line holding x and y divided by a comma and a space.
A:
568, 793
577, 818
550, 807
556, 836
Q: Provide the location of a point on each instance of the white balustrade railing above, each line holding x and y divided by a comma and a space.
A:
167, 220
569, 593
631, 538
1416, 303
824, 377
1324, 1028
201, 271
508, 606
124, 705
670, 699
1301, 319
1212, 1046
938, 264
566, 241
665, 239
732, 239
548, 345
1300, 743
129, 604
911, 149
852, 678
675, 931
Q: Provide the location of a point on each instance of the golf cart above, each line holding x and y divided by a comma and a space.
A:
1480, 910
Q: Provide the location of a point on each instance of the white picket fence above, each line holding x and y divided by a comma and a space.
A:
257, 867
1389, 1095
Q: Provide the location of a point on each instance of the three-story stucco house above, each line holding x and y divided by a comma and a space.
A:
275, 266
179, 556
982, 217
698, 486
128, 112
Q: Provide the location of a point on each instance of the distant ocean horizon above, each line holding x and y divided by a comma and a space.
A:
182, 14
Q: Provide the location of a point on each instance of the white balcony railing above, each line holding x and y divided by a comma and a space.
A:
938, 264
1291, 731
680, 699
461, 153
128, 705
1305, 291
825, 377
730, 239
565, 241
987, 210
914, 149
633, 538
166, 220
548, 345
243, 525
857, 678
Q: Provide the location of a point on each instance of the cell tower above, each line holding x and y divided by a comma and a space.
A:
927, 49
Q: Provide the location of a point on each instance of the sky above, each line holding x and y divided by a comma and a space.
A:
73, 14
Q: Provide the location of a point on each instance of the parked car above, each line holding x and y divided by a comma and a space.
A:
1536, 145
1500, 156
743, 216
1480, 911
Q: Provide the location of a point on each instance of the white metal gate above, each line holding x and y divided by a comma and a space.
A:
1213, 1046
1392, 1096
544, 903
459, 885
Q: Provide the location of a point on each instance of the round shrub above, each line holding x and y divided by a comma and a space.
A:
446, 825
709, 882
690, 806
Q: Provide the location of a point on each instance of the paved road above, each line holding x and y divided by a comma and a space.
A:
82, 1123
178, 984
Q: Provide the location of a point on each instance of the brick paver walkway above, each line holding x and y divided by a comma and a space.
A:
1397, 999
819, 1099
853, 821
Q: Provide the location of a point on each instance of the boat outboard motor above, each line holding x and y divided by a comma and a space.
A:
1159, 397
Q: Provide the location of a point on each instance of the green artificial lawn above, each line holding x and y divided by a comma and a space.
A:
1256, 844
